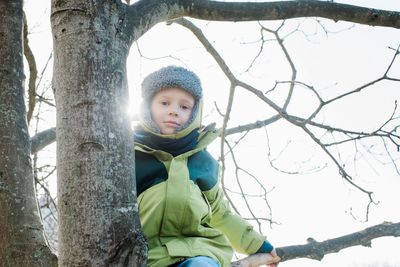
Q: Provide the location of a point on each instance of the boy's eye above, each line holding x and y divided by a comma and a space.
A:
184, 107
164, 103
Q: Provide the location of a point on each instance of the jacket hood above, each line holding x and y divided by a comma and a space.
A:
169, 77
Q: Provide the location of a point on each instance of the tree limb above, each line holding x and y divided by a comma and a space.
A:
317, 250
144, 14
246, 11
252, 126
42, 140
32, 72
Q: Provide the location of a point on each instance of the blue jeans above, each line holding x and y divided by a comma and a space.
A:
198, 261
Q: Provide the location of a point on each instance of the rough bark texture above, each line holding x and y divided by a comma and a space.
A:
98, 213
21, 240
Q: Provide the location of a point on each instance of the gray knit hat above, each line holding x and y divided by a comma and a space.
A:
171, 76
168, 77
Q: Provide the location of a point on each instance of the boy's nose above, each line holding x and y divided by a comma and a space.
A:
173, 111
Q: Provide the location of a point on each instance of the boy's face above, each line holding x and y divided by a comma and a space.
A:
171, 108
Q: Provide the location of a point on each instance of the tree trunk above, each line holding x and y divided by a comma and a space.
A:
21, 240
98, 213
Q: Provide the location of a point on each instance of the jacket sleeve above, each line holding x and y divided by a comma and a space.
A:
240, 233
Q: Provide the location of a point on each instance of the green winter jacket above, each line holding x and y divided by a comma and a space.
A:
186, 215
181, 204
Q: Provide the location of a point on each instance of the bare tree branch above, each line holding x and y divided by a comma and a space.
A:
32, 72
317, 250
245, 195
42, 140
252, 126
143, 15
245, 11
289, 60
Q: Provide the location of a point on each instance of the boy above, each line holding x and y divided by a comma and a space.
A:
183, 214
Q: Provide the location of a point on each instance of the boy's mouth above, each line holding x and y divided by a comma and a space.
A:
171, 124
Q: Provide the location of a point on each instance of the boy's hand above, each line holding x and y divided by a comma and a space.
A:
273, 254
259, 259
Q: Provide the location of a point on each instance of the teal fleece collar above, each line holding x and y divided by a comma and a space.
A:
173, 146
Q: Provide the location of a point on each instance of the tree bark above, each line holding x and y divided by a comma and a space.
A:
98, 213
21, 240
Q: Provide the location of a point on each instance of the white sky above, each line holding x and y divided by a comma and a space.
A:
315, 204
